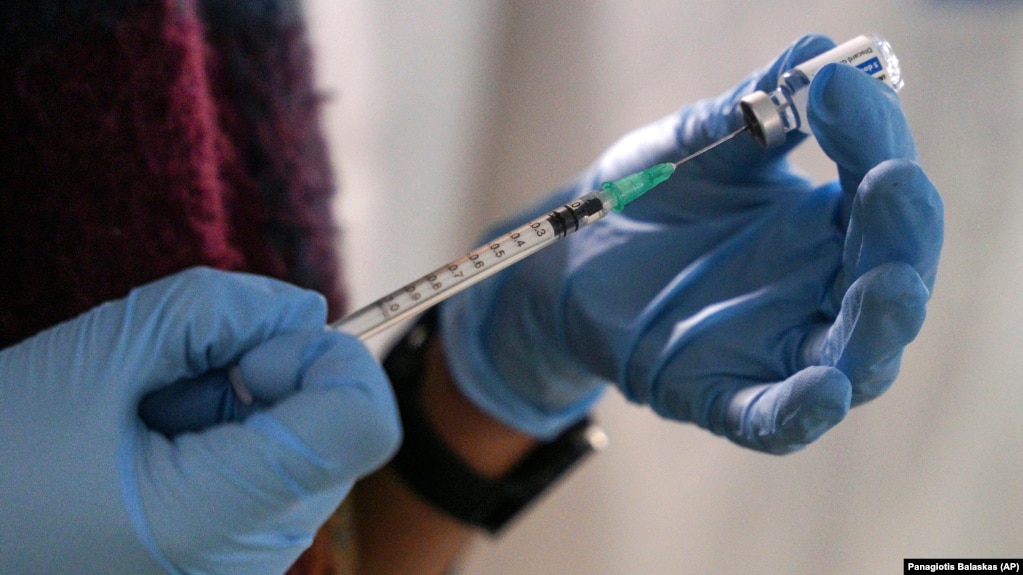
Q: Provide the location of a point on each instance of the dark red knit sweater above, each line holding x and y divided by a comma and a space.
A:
141, 137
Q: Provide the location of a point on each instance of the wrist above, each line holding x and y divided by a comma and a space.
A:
485, 443
457, 458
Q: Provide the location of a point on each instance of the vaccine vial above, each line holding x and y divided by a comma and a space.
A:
771, 116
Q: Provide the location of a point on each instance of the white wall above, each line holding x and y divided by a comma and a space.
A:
447, 111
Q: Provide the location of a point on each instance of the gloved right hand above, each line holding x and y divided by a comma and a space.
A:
86, 487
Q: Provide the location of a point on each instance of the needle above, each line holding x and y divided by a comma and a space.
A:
711, 146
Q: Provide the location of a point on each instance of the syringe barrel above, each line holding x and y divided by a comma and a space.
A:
771, 116
479, 264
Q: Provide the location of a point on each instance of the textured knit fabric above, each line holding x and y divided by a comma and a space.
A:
141, 137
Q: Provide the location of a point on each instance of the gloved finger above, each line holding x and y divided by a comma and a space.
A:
194, 404
784, 417
187, 324
897, 215
267, 373
345, 409
286, 467
882, 312
858, 122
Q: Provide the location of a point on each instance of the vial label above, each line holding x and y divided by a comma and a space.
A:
870, 53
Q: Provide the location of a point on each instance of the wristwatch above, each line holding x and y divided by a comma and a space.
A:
441, 478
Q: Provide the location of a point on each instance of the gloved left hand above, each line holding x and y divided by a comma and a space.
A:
86, 487
737, 295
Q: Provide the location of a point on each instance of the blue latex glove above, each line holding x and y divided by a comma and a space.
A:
86, 487
737, 295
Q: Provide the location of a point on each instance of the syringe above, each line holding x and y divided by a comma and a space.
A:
490, 258
768, 118
502, 252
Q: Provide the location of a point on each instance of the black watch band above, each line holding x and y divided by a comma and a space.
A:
426, 465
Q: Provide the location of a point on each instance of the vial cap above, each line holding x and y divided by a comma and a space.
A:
763, 118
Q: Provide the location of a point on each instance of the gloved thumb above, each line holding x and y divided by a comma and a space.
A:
263, 376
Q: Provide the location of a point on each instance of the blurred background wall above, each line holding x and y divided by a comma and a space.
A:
446, 116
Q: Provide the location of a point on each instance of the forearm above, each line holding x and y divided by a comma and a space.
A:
398, 532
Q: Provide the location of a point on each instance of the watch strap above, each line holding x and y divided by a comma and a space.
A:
440, 477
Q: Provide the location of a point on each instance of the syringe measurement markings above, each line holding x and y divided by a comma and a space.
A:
475, 265
526, 239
